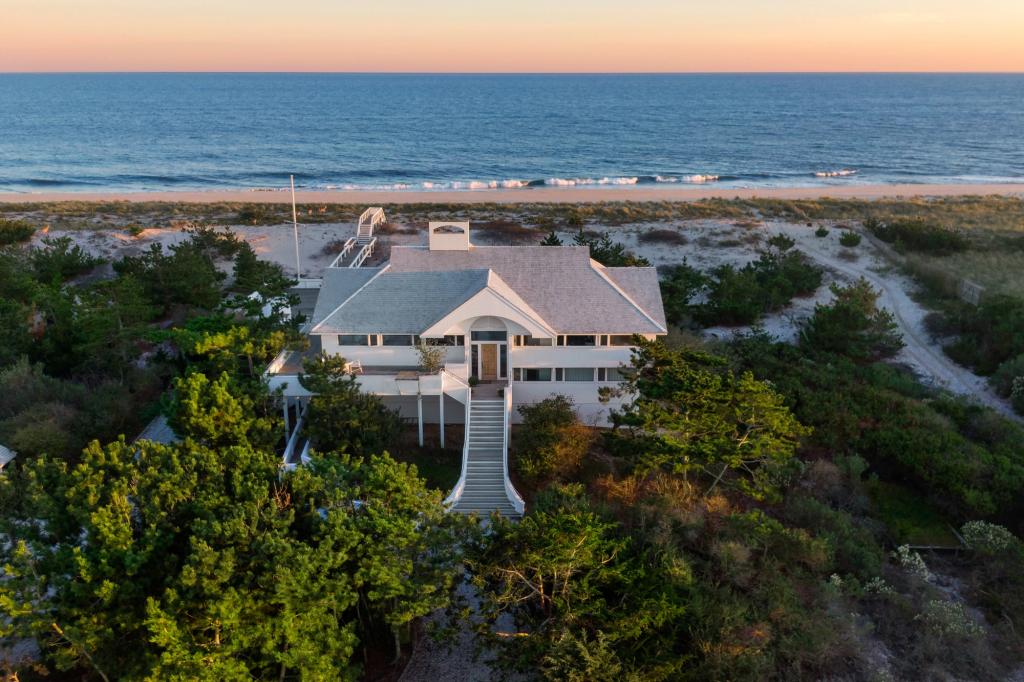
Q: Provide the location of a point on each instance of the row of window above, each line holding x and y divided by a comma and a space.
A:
566, 374
460, 340
396, 340
577, 340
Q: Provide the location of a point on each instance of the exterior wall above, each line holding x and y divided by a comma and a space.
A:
569, 356
583, 394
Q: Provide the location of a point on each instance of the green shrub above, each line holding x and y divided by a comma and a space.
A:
849, 239
854, 548
781, 242
916, 234
15, 231
988, 538
821, 232
741, 295
551, 441
853, 325
989, 334
60, 259
679, 284
1003, 378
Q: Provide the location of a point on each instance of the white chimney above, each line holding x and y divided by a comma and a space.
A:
446, 236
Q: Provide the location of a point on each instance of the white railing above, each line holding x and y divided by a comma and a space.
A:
460, 485
345, 250
293, 440
369, 219
363, 254
510, 491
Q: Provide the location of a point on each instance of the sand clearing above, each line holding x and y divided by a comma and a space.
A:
528, 195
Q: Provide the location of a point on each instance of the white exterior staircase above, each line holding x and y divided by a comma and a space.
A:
485, 486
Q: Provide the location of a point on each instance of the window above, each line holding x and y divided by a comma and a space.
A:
397, 340
531, 341
620, 340
503, 361
609, 374
489, 336
577, 340
354, 340
531, 374
579, 374
455, 340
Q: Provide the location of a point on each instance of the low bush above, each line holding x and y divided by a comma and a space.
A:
849, 239
781, 242
551, 441
679, 285
821, 232
989, 334
738, 296
15, 231
919, 235
852, 325
662, 236
60, 259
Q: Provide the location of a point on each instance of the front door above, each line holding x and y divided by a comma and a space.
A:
488, 361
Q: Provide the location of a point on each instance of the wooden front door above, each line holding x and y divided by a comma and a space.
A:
488, 361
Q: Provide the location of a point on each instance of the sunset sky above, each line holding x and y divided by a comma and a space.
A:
528, 35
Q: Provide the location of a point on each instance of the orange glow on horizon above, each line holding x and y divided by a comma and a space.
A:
462, 36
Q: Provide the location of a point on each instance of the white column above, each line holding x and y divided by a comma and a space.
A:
440, 411
419, 416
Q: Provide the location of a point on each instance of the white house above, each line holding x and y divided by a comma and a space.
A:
519, 323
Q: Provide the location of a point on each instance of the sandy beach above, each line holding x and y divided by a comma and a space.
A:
529, 195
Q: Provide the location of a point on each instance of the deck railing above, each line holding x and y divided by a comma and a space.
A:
460, 485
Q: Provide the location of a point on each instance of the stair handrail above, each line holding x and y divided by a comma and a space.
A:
349, 243
510, 490
460, 485
363, 254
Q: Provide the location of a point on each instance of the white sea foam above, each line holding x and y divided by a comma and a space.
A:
572, 182
842, 173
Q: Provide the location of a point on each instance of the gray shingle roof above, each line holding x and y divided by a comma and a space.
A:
398, 302
338, 285
560, 283
641, 285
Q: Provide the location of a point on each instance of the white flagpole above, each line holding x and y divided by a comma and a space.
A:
295, 229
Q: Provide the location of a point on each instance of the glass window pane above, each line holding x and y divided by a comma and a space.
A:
396, 340
613, 374
489, 336
537, 374
579, 373
503, 361
474, 361
580, 340
352, 340
620, 340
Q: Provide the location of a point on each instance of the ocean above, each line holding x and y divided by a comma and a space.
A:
137, 132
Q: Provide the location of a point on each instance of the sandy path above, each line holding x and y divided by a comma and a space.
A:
920, 352
528, 195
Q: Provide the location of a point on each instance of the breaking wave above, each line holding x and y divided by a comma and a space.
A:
841, 173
